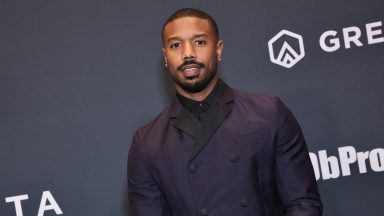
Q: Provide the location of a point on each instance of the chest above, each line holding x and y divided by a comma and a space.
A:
235, 143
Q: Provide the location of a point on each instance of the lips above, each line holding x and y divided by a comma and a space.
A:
190, 70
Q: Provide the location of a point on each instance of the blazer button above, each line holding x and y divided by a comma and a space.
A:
193, 167
244, 203
234, 158
204, 212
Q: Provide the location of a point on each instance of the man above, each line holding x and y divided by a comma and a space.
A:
215, 150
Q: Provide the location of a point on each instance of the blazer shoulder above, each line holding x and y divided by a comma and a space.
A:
160, 121
246, 98
262, 106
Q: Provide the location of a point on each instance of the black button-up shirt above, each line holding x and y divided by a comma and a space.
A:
199, 108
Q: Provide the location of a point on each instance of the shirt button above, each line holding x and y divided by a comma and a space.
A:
204, 212
244, 203
193, 167
234, 158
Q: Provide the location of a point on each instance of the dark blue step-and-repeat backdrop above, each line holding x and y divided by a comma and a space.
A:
77, 77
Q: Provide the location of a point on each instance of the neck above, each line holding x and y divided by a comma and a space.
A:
199, 96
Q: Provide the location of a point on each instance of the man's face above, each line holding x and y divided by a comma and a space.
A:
191, 51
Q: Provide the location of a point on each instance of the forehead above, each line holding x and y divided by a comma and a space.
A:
187, 26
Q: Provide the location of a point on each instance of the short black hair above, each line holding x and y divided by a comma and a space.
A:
191, 12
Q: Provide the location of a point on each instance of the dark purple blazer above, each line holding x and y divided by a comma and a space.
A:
250, 160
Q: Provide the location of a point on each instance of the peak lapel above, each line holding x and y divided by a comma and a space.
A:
221, 111
186, 122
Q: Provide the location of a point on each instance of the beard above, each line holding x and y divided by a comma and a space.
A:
194, 84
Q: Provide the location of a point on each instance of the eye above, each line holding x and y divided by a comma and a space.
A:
200, 42
175, 45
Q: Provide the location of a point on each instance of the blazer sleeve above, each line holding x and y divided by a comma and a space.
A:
144, 194
296, 181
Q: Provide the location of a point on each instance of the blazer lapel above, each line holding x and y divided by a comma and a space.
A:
186, 122
220, 110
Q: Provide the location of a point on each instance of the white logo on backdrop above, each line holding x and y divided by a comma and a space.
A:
352, 36
47, 203
287, 56
336, 166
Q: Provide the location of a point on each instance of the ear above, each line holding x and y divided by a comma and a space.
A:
219, 49
165, 58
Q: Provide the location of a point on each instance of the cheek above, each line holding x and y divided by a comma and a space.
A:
174, 64
208, 54
172, 59
211, 59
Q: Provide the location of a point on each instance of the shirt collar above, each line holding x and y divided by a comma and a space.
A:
197, 107
222, 93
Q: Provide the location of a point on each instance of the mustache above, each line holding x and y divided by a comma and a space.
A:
189, 63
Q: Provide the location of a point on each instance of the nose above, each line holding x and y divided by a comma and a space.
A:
188, 52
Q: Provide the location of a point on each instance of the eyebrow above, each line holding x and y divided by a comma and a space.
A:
193, 37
